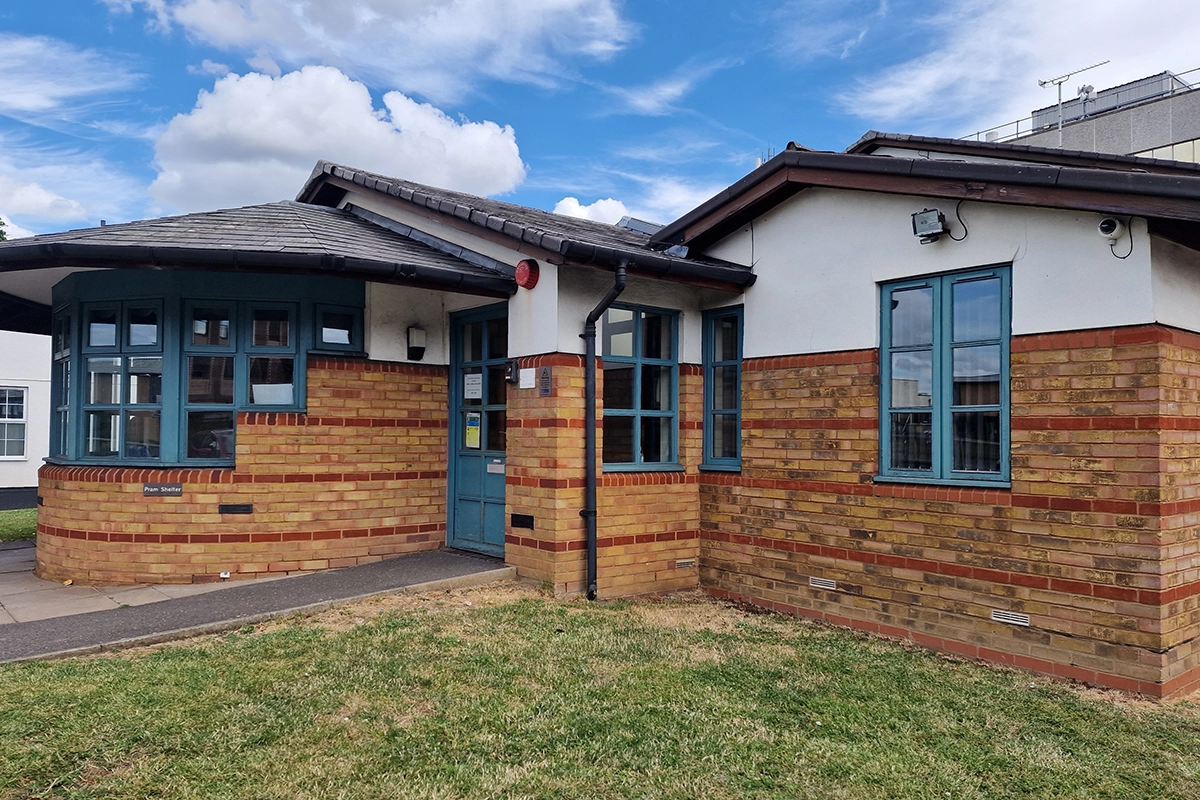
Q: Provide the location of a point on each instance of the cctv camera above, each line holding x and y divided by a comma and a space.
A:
1111, 228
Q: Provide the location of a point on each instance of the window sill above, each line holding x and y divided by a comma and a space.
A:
964, 483
720, 467
642, 468
138, 463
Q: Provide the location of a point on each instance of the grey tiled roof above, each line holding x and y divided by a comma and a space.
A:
276, 237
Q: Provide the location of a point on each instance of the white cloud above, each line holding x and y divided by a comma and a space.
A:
438, 48
809, 29
43, 75
255, 138
989, 57
209, 67
606, 210
660, 97
14, 231
32, 199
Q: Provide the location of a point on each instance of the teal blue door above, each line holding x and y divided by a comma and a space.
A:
478, 395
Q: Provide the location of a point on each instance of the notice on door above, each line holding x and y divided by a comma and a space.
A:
473, 386
472, 430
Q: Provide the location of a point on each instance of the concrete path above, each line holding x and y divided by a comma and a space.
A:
209, 610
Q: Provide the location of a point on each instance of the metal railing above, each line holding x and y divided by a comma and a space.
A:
1025, 126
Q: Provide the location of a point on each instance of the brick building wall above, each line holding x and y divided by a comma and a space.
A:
647, 521
360, 477
1096, 541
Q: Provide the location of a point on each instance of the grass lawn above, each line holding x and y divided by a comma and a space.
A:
505, 693
18, 524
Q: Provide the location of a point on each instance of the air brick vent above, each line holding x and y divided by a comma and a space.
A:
822, 583
1010, 617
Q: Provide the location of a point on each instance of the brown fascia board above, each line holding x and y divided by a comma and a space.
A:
545, 246
1104, 191
37, 255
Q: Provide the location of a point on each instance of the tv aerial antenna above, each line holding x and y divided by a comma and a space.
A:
1058, 82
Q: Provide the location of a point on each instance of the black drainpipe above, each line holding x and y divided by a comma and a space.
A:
589, 424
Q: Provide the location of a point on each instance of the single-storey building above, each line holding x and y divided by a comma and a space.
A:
939, 390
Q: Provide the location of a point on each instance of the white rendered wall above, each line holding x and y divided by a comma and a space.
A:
820, 256
392, 310
25, 364
1176, 271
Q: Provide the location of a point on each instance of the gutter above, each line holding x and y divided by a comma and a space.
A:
589, 423
657, 265
73, 254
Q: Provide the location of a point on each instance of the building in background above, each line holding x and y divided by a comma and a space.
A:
24, 415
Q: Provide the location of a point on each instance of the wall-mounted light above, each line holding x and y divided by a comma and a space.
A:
416, 343
929, 225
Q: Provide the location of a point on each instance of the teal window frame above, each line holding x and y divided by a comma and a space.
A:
174, 296
354, 346
942, 408
637, 413
711, 412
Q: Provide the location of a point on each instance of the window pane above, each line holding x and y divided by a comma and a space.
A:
210, 434
62, 336
618, 440
725, 436
12, 404
64, 382
143, 327
725, 339
102, 440
617, 335
104, 381
271, 381
977, 375
912, 379
497, 387
210, 379
977, 310
912, 317
656, 335
726, 391
496, 429
618, 385
336, 328
210, 326
142, 434
656, 388
102, 328
271, 327
12, 439
977, 441
912, 441
473, 342
656, 439
145, 380
497, 337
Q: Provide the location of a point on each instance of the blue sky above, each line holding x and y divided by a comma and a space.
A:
127, 109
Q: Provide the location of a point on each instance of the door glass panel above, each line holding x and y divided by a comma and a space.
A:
977, 441
618, 385
102, 328
725, 436
656, 335
497, 388
725, 387
271, 381
143, 327
497, 338
912, 379
271, 327
472, 386
210, 434
104, 381
618, 440
912, 316
912, 441
656, 439
102, 439
977, 310
210, 379
617, 335
142, 434
145, 380
725, 339
497, 422
656, 388
210, 326
472, 341
977, 375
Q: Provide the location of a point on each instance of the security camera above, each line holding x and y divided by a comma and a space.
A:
1111, 228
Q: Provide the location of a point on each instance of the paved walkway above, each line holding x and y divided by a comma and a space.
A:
57, 621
